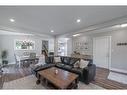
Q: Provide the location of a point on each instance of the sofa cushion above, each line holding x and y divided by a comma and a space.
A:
68, 67
83, 63
66, 60
73, 61
49, 60
59, 65
77, 70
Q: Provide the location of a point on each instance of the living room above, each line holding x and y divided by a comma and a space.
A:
74, 50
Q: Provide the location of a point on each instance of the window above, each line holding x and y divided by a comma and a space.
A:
24, 45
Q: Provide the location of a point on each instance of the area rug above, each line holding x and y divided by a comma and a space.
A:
29, 82
122, 78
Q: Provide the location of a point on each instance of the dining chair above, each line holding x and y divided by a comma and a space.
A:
41, 61
32, 57
17, 60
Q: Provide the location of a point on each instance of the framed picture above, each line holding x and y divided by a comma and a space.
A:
24, 45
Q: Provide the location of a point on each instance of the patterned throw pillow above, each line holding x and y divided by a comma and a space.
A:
83, 63
77, 64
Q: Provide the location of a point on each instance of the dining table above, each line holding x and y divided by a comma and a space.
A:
27, 60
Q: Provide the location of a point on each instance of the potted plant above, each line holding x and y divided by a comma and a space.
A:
4, 55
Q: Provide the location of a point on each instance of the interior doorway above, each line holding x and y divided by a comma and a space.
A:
102, 51
62, 47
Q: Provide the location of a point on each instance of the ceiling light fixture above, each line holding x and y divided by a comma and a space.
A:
12, 20
124, 25
76, 35
78, 20
52, 31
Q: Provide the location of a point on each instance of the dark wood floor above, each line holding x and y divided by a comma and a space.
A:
13, 73
101, 80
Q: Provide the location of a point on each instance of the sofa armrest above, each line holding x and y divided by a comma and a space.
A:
45, 66
89, 73
42, 67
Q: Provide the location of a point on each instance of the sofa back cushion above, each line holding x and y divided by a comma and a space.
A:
49, 60
73, 61
65, 60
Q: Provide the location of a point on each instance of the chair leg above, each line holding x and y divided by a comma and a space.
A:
19, 65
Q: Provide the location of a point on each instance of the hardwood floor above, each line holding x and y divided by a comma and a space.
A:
101, 80
13, 73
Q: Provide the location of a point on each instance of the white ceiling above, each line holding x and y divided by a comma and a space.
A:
61, 19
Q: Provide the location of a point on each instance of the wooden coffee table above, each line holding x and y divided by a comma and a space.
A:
62, 80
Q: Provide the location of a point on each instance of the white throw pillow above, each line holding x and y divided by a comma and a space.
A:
41, 60
83, 63
77, 64
57, 59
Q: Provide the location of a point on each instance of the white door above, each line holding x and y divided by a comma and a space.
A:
102, 51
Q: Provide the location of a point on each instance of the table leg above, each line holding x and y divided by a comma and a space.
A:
38, 82
38, 79
76, 82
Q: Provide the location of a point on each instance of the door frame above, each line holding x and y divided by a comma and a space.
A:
110, 49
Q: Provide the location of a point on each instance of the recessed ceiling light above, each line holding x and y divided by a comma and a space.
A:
120, 25
12, 20
76, 35
78, 20
52, 31
124, 25
116, 26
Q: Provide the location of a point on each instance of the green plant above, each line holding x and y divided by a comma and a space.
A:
4, 55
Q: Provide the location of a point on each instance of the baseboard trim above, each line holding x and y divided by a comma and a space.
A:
119, 70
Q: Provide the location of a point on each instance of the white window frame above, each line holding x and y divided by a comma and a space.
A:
23, 40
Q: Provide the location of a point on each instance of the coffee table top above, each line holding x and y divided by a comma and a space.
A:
62, 79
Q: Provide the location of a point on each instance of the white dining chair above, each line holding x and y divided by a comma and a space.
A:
17, 60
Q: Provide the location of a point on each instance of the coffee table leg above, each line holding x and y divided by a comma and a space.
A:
38, 81
46, 82
76, 82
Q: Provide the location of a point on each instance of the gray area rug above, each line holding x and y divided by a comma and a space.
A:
118, 77
29, 82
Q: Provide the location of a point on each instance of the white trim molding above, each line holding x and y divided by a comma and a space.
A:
118, 70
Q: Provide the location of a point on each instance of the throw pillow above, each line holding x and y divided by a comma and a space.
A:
83, 63
77, 64
41, 60
57, 59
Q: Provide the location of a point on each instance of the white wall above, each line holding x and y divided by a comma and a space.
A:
7, 43
118, 54
82, 39
69, 47
56, 46
0, 47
